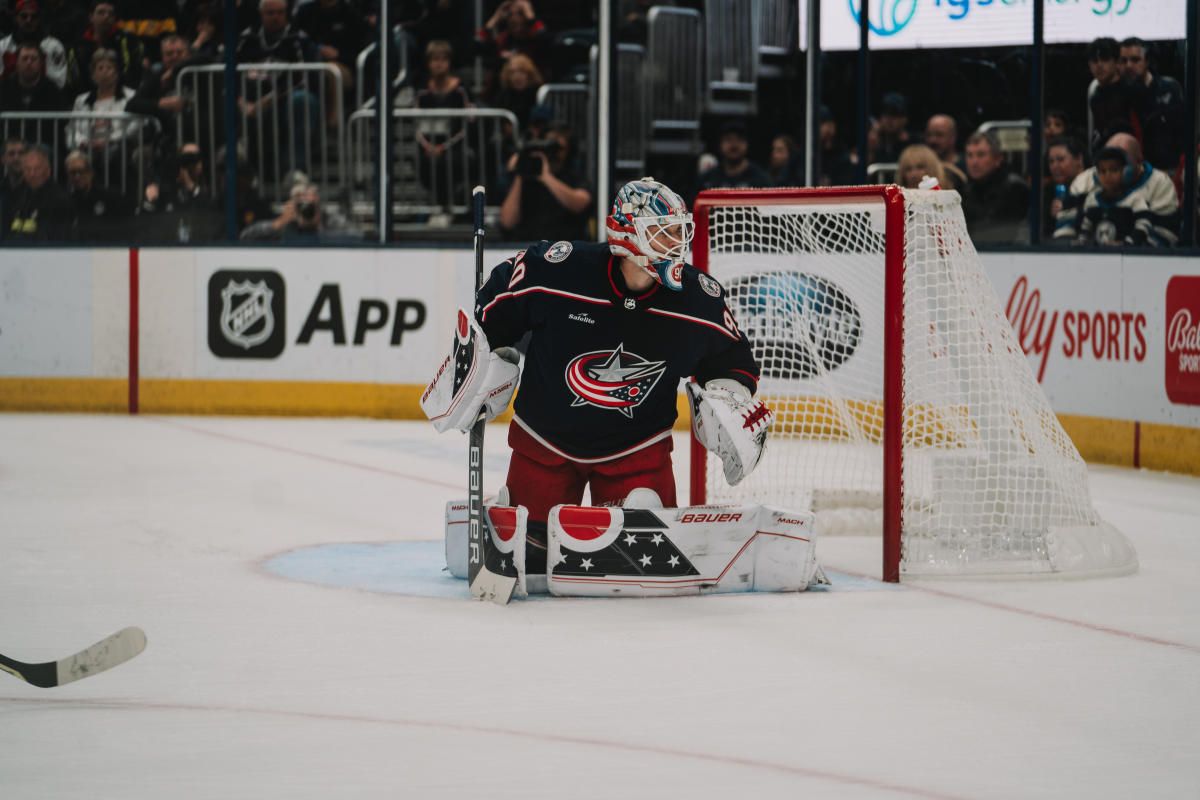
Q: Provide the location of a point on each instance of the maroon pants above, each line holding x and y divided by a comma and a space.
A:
540, 479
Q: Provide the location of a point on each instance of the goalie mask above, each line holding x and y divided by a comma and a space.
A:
650, 224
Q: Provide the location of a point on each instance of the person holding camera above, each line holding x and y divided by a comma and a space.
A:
545, 200
302, 221
183, 200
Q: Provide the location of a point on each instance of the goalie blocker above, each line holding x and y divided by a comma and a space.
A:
599, 551
471, 380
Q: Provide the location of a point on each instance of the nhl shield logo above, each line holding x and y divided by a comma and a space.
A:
246, 313
246, 316
612, 379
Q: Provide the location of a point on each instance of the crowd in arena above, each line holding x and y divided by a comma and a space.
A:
160, 174
1115, 181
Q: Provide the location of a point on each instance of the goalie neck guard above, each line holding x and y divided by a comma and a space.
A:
650, 224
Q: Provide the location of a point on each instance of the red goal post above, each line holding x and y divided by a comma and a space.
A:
903, 405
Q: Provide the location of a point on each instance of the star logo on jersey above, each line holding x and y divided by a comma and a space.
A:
612, 379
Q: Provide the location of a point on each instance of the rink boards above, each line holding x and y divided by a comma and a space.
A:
1114, 339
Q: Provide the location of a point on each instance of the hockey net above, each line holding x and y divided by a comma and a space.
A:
903, 403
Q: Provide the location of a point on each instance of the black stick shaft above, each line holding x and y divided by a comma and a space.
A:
475, 451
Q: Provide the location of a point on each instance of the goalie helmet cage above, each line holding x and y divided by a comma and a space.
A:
903, 403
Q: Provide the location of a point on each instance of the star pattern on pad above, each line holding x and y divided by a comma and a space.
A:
642, 548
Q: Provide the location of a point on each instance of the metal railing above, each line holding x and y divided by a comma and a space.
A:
431, 192
778, 31
882, 172
632, 125
731, 46
675, 69
360, 69
52, 129
274, 143
1013, 135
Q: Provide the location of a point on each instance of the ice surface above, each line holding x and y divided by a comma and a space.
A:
256, 686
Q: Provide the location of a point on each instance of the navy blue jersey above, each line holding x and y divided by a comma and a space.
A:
603, 364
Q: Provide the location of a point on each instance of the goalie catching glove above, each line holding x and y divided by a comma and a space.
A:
729, 422
472, 380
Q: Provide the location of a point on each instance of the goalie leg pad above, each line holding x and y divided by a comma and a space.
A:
606, 551
506, 528
471, 380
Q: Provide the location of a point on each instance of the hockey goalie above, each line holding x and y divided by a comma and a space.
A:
614, 327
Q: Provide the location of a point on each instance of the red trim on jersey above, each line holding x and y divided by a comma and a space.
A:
521, 431
544, 290
696, 320
749, 375
653, 288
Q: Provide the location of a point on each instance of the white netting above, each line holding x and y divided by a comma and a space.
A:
991, 484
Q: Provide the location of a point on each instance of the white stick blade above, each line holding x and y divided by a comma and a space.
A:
104, 654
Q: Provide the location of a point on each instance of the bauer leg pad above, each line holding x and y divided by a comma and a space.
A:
606, 551
504, 525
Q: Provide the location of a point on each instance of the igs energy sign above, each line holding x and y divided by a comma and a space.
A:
1183, 340
910, 24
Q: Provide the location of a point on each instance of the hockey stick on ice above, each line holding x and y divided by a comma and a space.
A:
487, 575
104, 654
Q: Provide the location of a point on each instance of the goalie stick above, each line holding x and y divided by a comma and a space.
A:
489, 576
104, 654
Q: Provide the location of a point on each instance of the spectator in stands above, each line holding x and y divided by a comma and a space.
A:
1064, 161
42, 211
918, 161
545, 199
892, 128
103, 33
1108, 98
941, 135
1158, 107
441, 139
784, 166
836, 165
65, 20
302, 221
30, 30
635, 26
28, 89
339, 31
100, 213
1114, 214
159, 96
520, 80
735, 170
12, 180
513, 28
149, 21
103, 138
995, 202
275, 41
185, 209
1153, 184
1056, 124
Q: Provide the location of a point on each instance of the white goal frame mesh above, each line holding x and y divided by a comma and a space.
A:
903, 403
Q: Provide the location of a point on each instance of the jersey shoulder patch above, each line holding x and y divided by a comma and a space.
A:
559, 251
709, 285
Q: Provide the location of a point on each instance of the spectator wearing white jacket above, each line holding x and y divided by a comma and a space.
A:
1152, 185
102, 136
